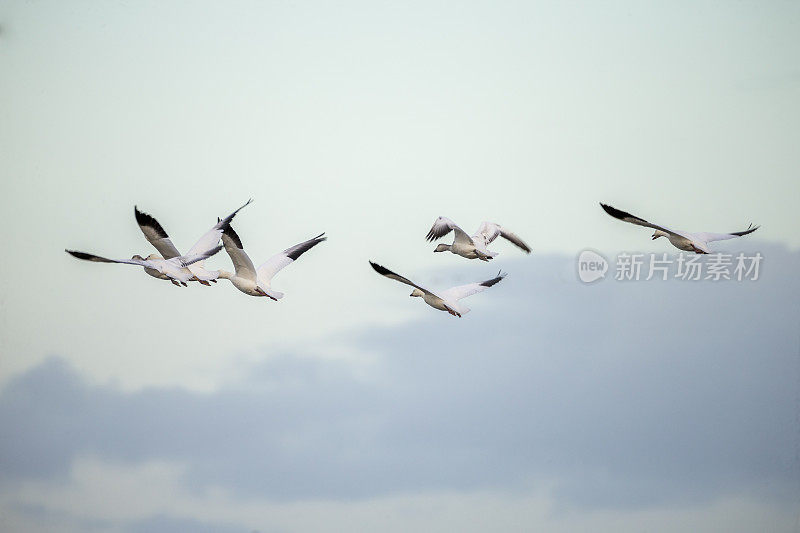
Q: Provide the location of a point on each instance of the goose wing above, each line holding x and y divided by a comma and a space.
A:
491, 230
632, 219
241, 262
442, 226
274, 264
709, 237
189, 258
155, 234
383, 271
462, 291
212, 236
97, 259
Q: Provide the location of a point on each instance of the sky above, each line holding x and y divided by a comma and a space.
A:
129, 405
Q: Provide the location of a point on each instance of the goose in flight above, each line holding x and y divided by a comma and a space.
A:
155, 235
474, 247
175, 269
689, 242
256, 281
447, 300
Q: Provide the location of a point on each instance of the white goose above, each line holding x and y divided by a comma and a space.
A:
173, 269
446, 300
155, 235
690, 242
257, 282
474, 247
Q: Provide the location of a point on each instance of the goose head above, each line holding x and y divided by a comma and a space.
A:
442, 248
417, 293
658, 233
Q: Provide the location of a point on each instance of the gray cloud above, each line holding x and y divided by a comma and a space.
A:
621, 395
168, 524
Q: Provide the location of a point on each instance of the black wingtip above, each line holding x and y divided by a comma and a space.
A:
228, 232
380, 269
495, 280
143, 219
614, 212
750, 229
306, 246
79, 255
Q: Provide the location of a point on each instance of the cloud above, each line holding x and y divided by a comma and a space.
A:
168, 524
609, 396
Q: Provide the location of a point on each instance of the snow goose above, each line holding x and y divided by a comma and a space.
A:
473, 247
257, 281
689, 242
157, 236
446, 300
173, 269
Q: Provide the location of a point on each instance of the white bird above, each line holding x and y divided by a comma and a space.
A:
257, 282
155, 235
447, 300
473, 247
173, 269
690, 242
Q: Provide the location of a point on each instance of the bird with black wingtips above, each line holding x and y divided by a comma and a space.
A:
171, 265
474, 246
258, 281
447, 300
174, 268
690, 242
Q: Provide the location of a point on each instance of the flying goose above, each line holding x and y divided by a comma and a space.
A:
155, 235
173, 269
446, 300
473, 247
256, 281
690, 242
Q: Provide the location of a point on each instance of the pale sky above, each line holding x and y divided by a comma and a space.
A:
367, 120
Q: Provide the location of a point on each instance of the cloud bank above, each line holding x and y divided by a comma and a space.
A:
614, 396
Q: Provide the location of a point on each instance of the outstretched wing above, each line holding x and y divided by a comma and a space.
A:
155, 234
97, 259
270, 267
212, 236
188, 259
383, 271
709, 237
490, 231
462, 291
627, 217
241, 262
442, 226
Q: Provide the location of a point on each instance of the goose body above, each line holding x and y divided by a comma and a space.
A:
258, 281
476, 245
447, 300
689, 242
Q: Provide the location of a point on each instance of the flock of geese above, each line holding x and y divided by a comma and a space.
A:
169, 264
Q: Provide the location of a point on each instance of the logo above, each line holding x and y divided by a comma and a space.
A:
591, 266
